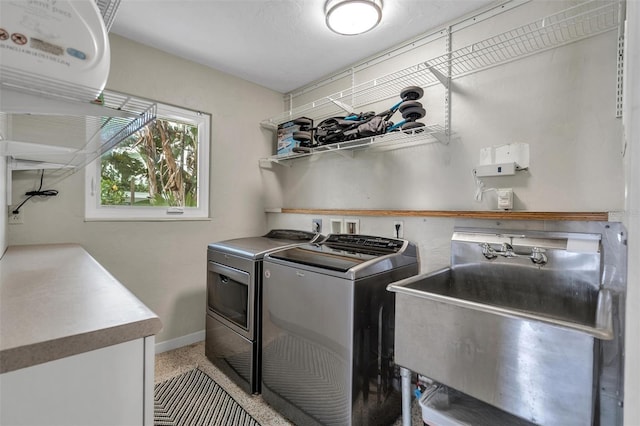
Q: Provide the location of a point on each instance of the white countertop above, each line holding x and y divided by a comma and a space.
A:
57, 301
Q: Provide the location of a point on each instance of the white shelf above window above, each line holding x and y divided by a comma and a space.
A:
573, 24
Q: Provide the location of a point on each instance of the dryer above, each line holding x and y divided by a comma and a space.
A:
233, 311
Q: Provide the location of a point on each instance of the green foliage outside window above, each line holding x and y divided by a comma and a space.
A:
157, 166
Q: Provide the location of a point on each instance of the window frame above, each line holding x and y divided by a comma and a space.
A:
96, 212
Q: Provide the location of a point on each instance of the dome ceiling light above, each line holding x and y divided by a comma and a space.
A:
351, 17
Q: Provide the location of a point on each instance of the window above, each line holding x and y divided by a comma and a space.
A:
160, 172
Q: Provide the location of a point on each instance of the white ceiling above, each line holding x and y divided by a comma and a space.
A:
279, 44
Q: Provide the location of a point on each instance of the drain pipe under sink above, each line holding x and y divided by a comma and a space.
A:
406, 396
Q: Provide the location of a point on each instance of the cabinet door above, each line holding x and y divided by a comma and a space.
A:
100, 387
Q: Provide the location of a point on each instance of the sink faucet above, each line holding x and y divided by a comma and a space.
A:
537, 255
505, 251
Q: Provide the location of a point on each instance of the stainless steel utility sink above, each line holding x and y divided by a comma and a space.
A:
562, 301
515, 321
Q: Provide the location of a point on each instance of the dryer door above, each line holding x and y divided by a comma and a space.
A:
230, 298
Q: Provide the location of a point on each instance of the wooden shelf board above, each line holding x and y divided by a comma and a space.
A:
501, 215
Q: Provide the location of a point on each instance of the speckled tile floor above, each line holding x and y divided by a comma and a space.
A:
177, 361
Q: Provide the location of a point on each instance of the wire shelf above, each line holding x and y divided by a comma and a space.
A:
39, 85
364, 94
387, 141
100, 127
48, 106
576, 23
108, 9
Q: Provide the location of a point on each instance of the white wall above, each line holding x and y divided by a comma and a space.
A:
164, 263
3, 203
632, 212
3, 189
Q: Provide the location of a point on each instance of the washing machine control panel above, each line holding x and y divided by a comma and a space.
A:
365, 241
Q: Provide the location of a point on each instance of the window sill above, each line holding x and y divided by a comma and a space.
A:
147, 219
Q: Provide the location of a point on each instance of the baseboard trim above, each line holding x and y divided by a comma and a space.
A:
179, 342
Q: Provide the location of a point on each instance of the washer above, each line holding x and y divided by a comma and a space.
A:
233, 312
328, 329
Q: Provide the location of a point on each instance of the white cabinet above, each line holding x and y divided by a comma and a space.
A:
76, 347
109, 386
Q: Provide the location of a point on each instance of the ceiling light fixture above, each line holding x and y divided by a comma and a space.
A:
351, 17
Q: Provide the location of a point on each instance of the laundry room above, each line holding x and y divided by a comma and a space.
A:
238, 213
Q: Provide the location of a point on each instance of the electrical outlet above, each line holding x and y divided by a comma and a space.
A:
15, 218
398, 229
505, 198
352, 226
336, 226
316, 225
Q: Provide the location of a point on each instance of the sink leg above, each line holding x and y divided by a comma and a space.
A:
406, 396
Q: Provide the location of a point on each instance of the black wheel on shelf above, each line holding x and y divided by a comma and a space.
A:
409, 104
303, 122
302, 136
413, 113
301, 149
413, 125
411, 93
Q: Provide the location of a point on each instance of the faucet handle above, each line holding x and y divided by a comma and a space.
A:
538, 256
488, 251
